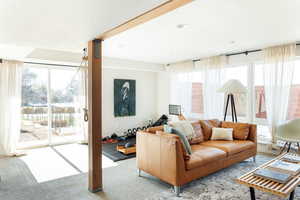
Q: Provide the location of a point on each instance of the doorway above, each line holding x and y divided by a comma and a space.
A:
52, 106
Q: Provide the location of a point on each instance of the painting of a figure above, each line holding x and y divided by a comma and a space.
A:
124, 97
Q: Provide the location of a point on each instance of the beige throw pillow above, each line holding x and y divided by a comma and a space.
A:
222, 134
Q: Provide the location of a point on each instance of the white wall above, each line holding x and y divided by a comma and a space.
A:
146, 106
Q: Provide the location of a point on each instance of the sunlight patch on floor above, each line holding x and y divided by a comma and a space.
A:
46, 165
78, 155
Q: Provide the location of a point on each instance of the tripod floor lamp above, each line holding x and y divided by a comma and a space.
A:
230, 88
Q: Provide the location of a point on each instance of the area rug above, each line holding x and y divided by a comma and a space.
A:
109, 150
221, 185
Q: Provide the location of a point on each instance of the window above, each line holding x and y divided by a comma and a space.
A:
260, 103
294, 101
186, 91
197, 98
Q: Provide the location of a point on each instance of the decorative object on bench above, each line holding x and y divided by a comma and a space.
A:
124, 97
167, 159
274, 187
126, 149
230, 88
290, 133
110, 150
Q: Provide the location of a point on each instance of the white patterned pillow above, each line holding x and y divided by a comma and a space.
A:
185, 127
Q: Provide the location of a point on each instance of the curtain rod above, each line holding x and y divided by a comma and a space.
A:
239, 53
50, 64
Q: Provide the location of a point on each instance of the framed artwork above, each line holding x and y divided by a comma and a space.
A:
124, 97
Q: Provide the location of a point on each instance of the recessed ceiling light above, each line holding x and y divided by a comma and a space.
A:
180, 26
232, 42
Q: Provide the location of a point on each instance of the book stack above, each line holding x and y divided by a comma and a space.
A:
285, 167
291, 158
273, 175
279, 171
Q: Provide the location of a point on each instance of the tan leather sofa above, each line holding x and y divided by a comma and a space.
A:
162, 156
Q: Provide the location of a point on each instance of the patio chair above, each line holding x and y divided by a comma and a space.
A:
290, 133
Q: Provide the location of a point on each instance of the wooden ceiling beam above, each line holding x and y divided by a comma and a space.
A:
145, 17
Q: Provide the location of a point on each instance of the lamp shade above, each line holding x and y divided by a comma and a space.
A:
233, 86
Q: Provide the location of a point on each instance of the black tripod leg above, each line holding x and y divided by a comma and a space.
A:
283, 147
227, 102
234, 110
289, 147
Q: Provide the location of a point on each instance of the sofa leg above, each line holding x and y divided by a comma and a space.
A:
177, 190
139, 172
254, 159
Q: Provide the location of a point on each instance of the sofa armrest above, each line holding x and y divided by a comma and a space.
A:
160, 155
253, 133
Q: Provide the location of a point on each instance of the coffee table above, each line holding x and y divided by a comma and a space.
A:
265, 185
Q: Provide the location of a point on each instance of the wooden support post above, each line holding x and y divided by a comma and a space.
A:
160, 10
95, 114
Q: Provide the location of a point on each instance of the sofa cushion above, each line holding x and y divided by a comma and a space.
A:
198, 134
231, 147
240, 130
203, 155
207, 126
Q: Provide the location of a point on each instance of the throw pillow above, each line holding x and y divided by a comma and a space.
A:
207, 126
198, 134
185, 127
185, 143
222, 134
240, 130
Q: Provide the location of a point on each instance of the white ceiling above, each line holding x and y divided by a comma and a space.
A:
63, 24
212, 25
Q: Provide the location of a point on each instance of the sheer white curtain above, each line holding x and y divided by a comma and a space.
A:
213, 72
181, 85
278, 75
181, 92
10, 106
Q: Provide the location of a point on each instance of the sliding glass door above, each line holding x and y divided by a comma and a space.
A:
65, 106
34, 110
51, 107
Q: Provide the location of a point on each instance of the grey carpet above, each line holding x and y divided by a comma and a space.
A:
122, 182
